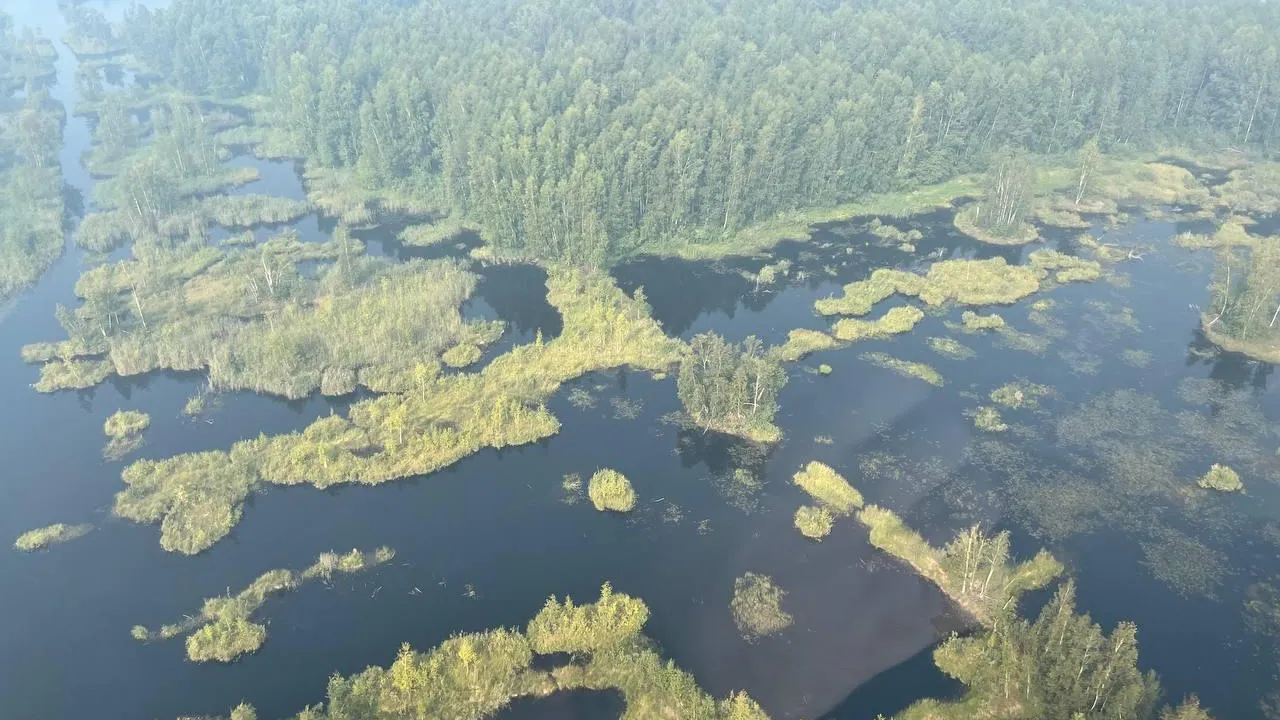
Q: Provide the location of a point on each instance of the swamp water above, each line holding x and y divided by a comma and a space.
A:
484, 542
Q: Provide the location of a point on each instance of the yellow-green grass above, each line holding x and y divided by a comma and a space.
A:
974, 322
462, 355
966, 282
611, 490
49, 535
428, 234
950, 348
988, 419
829, 488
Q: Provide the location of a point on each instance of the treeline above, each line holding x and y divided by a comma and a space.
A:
587, 130
31, 201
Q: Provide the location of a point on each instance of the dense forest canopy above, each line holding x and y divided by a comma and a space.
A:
588, 130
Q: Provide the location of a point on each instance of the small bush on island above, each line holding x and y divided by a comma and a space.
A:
51, 535
608, 622
1222, 479
829, 488
611, 490
224, 640
757, 607
824, 369
126, 422
814, 522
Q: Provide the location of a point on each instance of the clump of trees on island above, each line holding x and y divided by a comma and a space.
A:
731, 388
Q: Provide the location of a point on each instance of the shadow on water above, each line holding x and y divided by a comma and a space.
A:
896, 689
573, 705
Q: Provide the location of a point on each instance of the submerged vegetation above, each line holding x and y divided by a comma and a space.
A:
757, 607
905, 368
41, 538
611, 490
223, 631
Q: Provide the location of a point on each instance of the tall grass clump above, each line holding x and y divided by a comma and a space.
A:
41, 538
829, 488
123, 423
611, 490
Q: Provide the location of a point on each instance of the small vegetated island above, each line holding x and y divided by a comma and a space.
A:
577, 136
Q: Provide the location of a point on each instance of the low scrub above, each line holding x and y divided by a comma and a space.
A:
611, 490
829, 488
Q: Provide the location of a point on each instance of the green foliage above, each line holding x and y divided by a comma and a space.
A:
757, 606
828, 487
435, 233
196, 497
814, 522
41, 538
1222, 479
824, 369
1020, 394
126, 422
611, 490
905, 368
731, 389
612, 620
1244, 315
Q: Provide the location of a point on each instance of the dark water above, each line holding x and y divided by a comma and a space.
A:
483, 543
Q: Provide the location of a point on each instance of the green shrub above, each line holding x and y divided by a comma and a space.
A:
814, 522
565, 627
973, 322
611, 490
1222, 479
225, 640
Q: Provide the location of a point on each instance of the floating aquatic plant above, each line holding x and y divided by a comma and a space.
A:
757, 606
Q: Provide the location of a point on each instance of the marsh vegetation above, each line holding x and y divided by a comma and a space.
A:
611, 490
223, 630
41, 538
757, 607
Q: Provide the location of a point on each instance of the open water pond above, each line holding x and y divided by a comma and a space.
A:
1136, 405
